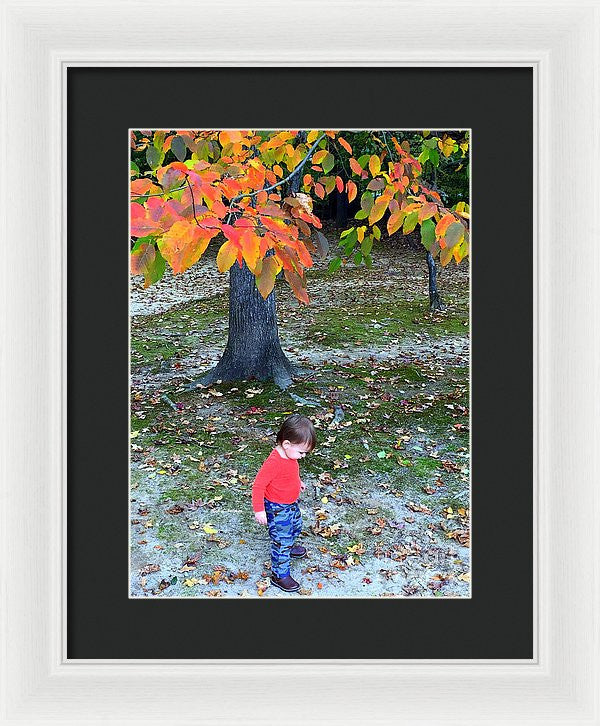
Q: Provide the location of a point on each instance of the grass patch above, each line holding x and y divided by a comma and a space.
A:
368, 324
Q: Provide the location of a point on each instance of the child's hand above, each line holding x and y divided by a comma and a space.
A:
261, 517
302, 486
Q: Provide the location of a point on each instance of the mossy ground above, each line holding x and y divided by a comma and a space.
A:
388, 484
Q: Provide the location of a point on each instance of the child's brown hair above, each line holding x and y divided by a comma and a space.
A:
297, 429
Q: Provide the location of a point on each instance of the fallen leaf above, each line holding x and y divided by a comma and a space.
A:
148, 569
191, 581
209, 529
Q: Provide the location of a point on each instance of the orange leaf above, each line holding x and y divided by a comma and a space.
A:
140, 186
307, 181
319, 191
378, 209
339, 184
427, 211
395, 222
443, 224
230, 137
319, 156
356, 167
345, 144
351, 188
184, 244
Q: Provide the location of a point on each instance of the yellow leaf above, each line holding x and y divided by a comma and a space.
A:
134, 434
374, 165
324, 500
226, 256
191, 581
465, 577
378, 210
312, 136
209, 529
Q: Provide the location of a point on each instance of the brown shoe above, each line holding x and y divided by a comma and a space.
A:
287, 583
298, 551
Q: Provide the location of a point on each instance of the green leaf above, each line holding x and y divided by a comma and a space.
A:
424, 155
410, 222
427, 233
367, 245
328, 163
158, 268
334, 265
159, 139
361, 214
135, 167
376, 232
368, 261
349, 239
364, 160
153, 157
357, 258
174, 581
430, 143
434, 156
381, 454
366, 202
179, 148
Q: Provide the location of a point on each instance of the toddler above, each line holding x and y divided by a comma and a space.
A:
274, 496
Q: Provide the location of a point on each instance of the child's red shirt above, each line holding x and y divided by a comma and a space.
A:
278, 480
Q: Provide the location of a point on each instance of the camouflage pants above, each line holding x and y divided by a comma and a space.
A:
285, 524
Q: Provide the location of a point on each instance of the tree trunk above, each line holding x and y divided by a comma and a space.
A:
435, 302
341, 209
253, 350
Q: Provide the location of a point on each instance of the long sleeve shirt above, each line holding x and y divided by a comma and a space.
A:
278, 480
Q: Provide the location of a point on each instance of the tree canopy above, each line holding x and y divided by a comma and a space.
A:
189, 186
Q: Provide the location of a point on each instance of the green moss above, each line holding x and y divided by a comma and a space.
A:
147, 350
424, 466
168, 531
370, 323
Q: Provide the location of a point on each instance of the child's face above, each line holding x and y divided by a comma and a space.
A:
295, 451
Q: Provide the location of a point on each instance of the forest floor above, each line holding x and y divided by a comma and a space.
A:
386, 383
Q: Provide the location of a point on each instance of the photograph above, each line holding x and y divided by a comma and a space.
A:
299, 363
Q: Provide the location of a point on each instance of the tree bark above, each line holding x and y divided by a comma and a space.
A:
253, 350
435, 302
341, 208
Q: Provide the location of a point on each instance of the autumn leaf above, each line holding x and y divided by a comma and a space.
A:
265, 281
184, 244
345, 144
209, 529
356, 167
378, 210
351, 189
374, 165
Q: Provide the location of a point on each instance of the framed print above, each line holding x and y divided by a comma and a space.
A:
184, 665
174, 501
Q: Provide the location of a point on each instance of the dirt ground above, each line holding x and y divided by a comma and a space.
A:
386, 383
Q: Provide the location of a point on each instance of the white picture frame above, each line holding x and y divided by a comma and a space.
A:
560, 41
